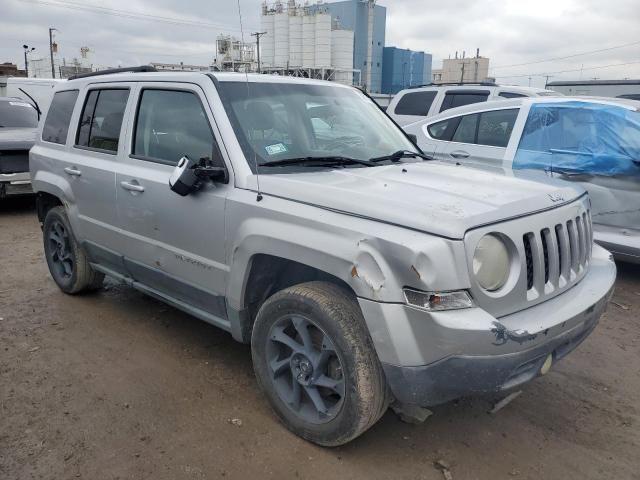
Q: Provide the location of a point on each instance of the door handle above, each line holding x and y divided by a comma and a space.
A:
459, 154
132, 187
73, 171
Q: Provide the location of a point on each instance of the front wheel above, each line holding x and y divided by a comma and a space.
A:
68, 264
316, 362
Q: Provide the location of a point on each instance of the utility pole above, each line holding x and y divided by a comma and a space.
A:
546, 81
53, 68
258, 35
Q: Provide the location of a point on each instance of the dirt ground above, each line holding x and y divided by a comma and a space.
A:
116, 385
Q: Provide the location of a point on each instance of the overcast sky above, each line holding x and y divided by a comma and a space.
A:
507, 31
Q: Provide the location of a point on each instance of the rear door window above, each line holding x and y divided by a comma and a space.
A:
56, 126
495, 127
415, 103
171, 124
459, 98
101, 119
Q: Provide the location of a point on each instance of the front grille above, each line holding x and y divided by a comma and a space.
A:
552, 253
554, 260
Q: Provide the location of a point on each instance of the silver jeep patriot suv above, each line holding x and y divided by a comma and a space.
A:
297, 216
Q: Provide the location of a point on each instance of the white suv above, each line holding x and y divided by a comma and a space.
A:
414, 104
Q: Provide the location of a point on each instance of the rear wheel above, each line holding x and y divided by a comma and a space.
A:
67, 263
316, 362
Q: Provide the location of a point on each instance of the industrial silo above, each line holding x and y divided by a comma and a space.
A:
281, 39
308, 41
342, 55
323, 40
295, 38
267, 42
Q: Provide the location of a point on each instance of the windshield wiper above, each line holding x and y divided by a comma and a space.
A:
316, 161
396, 156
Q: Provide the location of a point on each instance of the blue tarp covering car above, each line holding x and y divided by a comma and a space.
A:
576, 137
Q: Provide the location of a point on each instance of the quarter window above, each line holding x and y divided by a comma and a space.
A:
415, 103
56, 126
172, 124
101, 119
444, 130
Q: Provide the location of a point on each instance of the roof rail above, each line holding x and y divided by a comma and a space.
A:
456, 84
141, 68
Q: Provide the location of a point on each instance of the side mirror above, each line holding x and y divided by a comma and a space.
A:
413, 137
188, 175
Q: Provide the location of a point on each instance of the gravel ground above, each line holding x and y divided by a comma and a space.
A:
116, 385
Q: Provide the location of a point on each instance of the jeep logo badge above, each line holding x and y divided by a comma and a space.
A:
556, 197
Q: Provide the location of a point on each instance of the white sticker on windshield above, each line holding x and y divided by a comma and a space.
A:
20, 104
276, 148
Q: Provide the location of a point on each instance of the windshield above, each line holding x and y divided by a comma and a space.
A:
16, 113
281, 121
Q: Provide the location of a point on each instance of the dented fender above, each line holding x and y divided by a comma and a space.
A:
376, 260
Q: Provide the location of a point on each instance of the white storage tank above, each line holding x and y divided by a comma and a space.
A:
308, 41
295, 40
281, 37
267, 42
342, 55
323, 40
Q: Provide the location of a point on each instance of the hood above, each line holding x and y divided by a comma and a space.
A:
13, 138
433, 197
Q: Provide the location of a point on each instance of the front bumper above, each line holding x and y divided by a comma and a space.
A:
432, 358
15, 184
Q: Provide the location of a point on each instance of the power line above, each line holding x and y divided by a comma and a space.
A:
544, 74
129, 14
567, 56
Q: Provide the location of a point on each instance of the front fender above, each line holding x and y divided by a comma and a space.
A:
374, 259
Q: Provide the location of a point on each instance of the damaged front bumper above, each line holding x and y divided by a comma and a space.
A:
434, 357
624, 243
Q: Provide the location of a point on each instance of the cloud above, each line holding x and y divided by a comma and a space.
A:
507, 31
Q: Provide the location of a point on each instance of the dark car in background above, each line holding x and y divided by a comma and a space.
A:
18, 125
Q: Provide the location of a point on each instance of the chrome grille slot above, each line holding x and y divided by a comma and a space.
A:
545, 251
582, 242
573, 245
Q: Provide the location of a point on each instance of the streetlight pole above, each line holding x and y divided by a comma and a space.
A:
53, 68
26, 63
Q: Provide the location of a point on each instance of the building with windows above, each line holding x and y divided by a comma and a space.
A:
403, 68
368, 23
462, 70
340, 41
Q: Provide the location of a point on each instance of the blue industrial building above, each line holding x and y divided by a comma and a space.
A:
404, 68
354, 15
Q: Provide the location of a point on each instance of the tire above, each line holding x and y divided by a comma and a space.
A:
68, 264
341, 365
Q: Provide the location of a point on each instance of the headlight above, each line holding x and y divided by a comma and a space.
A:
491, 263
